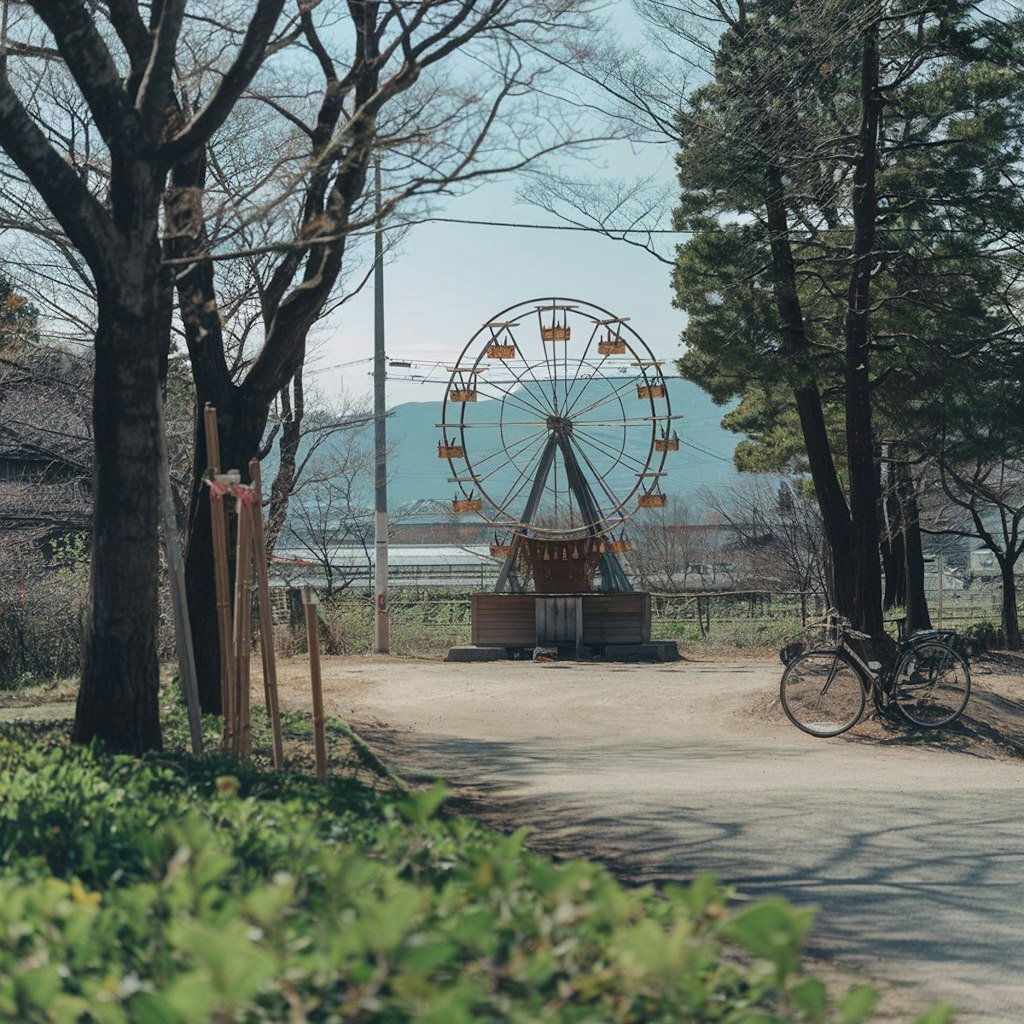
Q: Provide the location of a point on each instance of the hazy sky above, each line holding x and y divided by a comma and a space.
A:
448, 279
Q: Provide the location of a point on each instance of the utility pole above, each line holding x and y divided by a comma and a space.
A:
382, 616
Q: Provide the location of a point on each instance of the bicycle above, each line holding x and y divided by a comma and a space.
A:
824, 690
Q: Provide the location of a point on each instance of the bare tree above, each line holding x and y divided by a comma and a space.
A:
441, 94
669, 547
986, 501
777, 526
121, 61
46, 449
334, 511
309, 447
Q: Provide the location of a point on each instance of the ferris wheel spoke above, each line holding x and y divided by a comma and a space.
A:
513, 449
595, 374
609, 449
523, 404
580, 363
627, 421
519, 404
529, 368
616, 393
549, 360
496, 423
522, 480
600, 477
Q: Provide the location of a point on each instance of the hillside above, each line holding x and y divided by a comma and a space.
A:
704, 458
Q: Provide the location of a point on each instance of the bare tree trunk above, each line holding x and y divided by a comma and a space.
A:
891, 527
866, 609
118, 699
1011, 625
284, 479
894, 566
910, 523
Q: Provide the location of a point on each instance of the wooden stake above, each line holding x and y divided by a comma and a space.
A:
220, 568
242, 636
266, 619
182, 626
310, 601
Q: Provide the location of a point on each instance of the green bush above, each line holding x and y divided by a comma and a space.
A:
170, 890
981, 637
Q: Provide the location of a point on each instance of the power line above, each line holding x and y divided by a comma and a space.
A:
597, 229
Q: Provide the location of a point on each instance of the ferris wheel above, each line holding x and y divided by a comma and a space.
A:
556, 424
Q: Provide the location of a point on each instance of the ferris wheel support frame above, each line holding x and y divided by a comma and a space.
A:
612, 574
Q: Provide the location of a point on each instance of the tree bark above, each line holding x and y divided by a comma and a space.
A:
118, 699
866, 610
1011, 625
288, 449
892, 533
835, 513
913, 552
894, 568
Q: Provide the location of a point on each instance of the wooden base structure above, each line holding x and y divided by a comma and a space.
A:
593, 622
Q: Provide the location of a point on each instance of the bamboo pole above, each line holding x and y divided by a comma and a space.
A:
182, 626
310, 601
220, 568
266, 619
242, 638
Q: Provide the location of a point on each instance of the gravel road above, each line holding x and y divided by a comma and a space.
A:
913, 854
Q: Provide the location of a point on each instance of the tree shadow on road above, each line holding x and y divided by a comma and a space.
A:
926, 879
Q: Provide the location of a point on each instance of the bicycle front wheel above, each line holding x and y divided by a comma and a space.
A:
932, 684
822, 693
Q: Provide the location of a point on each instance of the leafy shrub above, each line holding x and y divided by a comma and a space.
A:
170, 890
981, 637
42, 611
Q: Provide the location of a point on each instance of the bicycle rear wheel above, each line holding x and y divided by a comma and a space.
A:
822, 693
932, 684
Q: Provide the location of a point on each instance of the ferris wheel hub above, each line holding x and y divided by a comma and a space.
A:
560, 424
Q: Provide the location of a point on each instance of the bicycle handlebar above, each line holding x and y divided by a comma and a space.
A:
833, 618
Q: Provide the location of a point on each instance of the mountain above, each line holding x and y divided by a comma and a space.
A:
704, 458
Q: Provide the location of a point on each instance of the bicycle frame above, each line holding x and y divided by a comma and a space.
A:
892, 675
881, 682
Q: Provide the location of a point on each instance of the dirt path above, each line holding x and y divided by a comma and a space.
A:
913, 853
912, 848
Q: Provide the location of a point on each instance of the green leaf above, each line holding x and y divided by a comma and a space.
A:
857, 1004
419, 808
39, 985
772, 930
191, 996
153, 1008
428, 957
940, 1013
811, 996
